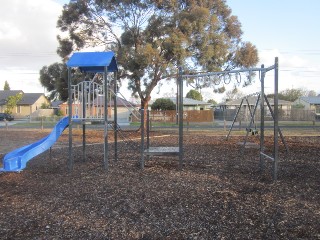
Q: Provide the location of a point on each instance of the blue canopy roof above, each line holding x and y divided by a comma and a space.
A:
93, 61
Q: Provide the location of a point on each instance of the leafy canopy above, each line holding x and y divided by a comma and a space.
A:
6, 86
194, 94
153, 37
163, 104
293, 94
12, 102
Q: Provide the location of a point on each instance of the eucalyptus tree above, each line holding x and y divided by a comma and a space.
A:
153, 37
194, 94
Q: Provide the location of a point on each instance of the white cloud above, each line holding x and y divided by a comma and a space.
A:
27, 41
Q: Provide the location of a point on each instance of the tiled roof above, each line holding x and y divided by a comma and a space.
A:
311, 100
252, 101
29, 98
56, 104
121, 102
4, 94
190, 102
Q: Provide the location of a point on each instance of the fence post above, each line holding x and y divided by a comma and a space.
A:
41, 117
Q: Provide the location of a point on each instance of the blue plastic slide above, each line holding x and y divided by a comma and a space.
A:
17, 159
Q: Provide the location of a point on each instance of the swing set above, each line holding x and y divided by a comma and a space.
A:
226, 77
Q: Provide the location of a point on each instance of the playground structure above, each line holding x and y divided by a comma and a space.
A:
164, 150
226, 77
91, 99
88, 103
250, 128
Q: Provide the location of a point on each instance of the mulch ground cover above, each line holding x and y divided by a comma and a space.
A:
218, 194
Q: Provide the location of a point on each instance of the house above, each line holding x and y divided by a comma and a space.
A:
251, 101
309, 103
55, 105
30, 102
125, 109
228, 109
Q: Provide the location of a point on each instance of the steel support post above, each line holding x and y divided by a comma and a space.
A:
115, 118
234, 119
276, 121
106, 96
262, 161
180, 93
84, 114
70, 160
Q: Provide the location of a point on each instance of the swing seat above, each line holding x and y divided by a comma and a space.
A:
254, 131
162, 151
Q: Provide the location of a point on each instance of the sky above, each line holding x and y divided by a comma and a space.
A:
287, 29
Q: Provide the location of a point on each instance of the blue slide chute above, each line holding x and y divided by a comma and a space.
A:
16, 160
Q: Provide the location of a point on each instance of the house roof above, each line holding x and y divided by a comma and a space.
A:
121, 102
29, 98
4, 94
93, 61
311, 100
252, 101
56, 104
190, 102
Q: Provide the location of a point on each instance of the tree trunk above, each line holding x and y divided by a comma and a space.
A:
144, 105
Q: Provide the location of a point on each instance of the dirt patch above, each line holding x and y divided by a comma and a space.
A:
219, 193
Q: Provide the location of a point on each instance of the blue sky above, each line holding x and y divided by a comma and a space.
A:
287, 29
283, 28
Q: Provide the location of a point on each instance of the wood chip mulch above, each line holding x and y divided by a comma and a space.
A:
219, 193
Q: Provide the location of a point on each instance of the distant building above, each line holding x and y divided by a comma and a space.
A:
190, 104
252, 100
29, 103
309, 103
125, 109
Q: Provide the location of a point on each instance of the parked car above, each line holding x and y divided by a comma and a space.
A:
6, 116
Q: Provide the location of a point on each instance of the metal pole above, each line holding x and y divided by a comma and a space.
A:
84, 114
105, 160
115, 118
262, 161
280, 132
276, 121
148, 129
234, 119
70, 160
180, 82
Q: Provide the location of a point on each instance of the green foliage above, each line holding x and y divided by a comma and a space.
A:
12, 102
194, 94
163, 104
292, 94
59, 113
212, 101
298, 106
157, 36
55, 79
45, 106
233, 94
6, 86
